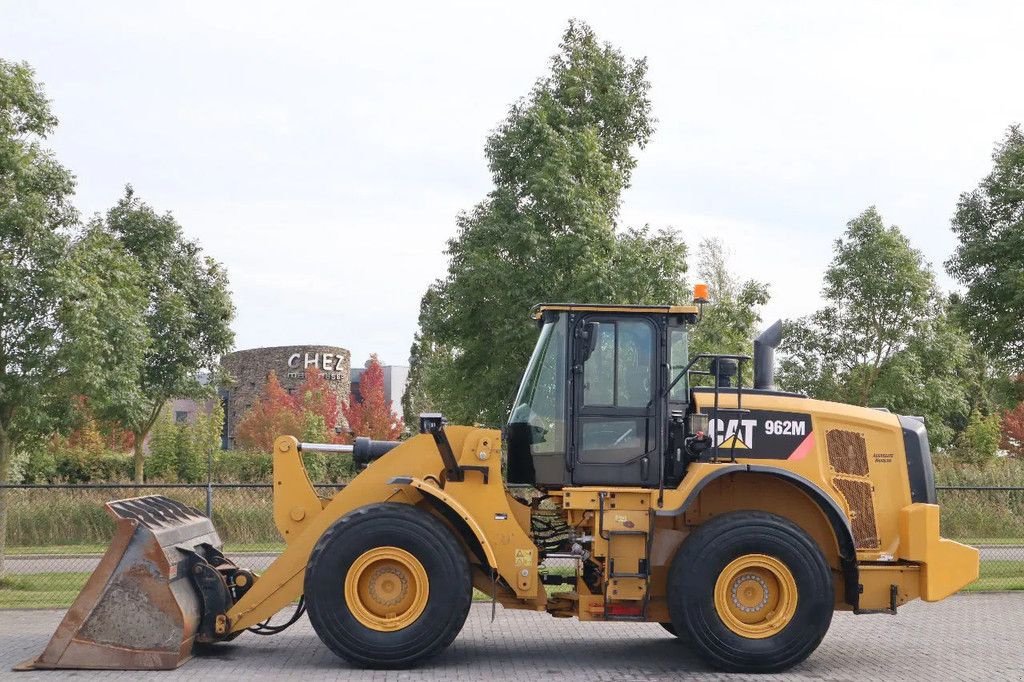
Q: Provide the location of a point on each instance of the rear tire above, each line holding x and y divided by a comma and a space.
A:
752, 591
387, 586
670, 629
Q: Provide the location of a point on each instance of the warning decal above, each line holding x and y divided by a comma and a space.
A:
524, 557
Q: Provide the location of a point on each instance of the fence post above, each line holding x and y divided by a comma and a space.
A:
209, 483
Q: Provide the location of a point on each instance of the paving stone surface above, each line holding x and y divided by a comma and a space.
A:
973, 637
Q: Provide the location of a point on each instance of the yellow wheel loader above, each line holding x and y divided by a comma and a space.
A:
739, 518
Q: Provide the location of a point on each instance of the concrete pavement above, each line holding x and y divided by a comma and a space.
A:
976, 636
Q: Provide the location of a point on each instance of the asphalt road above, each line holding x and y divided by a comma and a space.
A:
977, 636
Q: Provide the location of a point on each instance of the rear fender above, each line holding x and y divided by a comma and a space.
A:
704, 473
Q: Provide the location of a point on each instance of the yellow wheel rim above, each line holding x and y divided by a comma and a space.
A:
386, 589
755, 596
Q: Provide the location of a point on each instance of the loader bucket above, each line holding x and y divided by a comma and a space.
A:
139, 609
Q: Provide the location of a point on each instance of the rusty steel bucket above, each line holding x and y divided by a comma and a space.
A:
139, 609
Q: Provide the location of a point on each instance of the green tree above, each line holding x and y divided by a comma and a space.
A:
732, 315
989, 260
188, 317
880, 294
182, 452
70, 302
546, 231
978, 442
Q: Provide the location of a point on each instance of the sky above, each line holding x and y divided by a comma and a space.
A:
322, 151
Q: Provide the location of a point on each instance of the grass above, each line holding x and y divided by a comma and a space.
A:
243, 517
998, 575
40, 590
69, 550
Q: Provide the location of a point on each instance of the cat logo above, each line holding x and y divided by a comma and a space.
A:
759, 434
732, 433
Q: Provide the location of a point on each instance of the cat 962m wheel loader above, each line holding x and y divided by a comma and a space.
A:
737, 517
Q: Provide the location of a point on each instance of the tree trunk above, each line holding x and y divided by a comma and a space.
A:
140, 457
140, 440
6, 451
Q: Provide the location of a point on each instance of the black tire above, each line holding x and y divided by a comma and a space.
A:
670, 629
709, 550
449, 592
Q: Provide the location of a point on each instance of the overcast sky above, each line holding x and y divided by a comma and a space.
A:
322, 151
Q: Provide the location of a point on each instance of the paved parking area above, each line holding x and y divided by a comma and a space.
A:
966, 637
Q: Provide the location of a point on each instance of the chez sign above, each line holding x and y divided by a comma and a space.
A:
332, 364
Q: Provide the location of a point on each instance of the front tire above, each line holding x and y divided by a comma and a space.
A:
752, 591
387, 586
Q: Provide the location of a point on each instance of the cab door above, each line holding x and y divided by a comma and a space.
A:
616, 379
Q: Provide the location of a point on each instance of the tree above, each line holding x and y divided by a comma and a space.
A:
310, 414
1013, 430
989, 260
274, 414
371, 415
731, 317
880, 294
889, 339
978, 442
318, 402
546, 231
184, 452
188, 317
70, 301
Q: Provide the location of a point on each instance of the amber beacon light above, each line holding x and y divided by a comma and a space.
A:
700, 293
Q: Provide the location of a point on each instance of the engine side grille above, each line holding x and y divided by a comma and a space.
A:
847, 452
860, 499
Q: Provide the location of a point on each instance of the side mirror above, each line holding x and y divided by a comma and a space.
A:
586, 342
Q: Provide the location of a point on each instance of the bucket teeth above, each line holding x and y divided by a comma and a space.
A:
154, 511
140, 609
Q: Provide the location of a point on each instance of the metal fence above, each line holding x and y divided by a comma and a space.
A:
57, 533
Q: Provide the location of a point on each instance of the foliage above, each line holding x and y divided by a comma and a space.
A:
880, 294
59, 463
310, 414
888, 339
70, 301
93, 434
989, 260
187, 320
181, 452
978, 442
319, 407
730, 319
371, 415
273, 414
546, 231
1013, 428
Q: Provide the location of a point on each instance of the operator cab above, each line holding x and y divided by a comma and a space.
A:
595, 405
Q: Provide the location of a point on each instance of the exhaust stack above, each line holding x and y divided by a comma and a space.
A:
764, 356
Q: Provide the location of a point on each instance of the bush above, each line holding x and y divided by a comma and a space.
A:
81, 466
978, 514
243, 466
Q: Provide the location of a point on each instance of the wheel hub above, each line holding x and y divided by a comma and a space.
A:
756, 596
386, 589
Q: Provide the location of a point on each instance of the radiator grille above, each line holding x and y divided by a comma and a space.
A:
847, 452
860, 499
